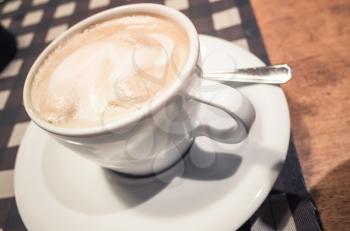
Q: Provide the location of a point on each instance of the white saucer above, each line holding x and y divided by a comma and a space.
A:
216, 187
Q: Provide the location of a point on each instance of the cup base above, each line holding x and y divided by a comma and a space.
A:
158, 170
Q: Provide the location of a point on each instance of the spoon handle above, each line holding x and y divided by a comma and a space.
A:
274, 74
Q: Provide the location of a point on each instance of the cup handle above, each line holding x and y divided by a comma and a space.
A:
232, 102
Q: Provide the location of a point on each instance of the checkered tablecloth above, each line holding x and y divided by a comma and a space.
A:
37, 22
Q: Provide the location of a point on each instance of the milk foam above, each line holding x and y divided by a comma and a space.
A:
108, 69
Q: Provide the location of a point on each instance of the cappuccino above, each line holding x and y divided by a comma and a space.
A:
109, 69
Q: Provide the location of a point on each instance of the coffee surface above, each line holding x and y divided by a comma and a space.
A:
108, 70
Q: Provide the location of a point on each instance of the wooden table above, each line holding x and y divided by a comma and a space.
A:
314, 37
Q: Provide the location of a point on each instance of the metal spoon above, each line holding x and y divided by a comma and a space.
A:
274, 74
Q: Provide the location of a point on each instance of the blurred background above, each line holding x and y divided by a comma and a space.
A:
314, 37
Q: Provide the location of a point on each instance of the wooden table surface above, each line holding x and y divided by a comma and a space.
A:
314, 37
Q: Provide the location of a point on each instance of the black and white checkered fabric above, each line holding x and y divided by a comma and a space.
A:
37, 22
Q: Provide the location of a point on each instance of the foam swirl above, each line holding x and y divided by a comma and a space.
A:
108, 70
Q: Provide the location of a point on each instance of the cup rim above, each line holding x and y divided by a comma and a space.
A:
144, 111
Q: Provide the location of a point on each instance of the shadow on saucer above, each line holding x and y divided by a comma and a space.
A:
170, 186
80, 185
200, 179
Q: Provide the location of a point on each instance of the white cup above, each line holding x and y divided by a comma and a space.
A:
159, 133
